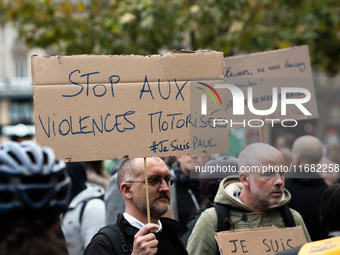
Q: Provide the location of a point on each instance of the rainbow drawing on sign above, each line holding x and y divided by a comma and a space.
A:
204, 97
209, 93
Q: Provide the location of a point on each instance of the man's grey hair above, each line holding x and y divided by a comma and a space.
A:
127, 172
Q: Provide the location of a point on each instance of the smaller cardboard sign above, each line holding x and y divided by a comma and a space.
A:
269, 87
327, 246
259, 241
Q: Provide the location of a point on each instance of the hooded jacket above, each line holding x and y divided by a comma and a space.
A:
202, 240
78, 234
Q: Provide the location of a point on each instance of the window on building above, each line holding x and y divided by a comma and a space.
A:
20, 65
21, 111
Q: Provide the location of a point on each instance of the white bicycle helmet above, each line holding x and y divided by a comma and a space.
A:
32, 181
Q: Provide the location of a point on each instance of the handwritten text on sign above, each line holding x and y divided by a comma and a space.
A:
268, 240
271, 87
159, 121
88, 120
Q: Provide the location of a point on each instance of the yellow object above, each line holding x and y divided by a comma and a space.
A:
329, 246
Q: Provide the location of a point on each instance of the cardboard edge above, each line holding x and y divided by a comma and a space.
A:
190, 51
273, 227
217, 240
182, 51
37, 61
32, 69
299, 47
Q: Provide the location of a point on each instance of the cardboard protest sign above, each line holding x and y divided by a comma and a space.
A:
90, 107
329, 246
259, 241
269, 88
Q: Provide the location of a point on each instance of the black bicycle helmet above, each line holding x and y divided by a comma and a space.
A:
33, 183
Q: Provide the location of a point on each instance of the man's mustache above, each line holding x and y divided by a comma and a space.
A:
162, 196
277, 190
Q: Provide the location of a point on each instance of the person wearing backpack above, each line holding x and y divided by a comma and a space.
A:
255, 198
86, 213
209, 183
132, 234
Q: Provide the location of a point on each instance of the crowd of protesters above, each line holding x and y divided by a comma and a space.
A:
51, 207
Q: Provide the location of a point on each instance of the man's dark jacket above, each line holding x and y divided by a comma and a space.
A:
168, 239
185, 205
306, 190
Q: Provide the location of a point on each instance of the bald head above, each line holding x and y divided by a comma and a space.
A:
307, 150
261, 174
257, 154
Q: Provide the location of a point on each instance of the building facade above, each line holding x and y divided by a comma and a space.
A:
16, 92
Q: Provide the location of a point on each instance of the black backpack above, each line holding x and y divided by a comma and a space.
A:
223, 216
114, 233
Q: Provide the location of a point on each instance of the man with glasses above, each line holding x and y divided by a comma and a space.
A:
132, 234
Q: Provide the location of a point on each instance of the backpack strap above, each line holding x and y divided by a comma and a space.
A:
287, 216
117, 239
223, 216
84, 205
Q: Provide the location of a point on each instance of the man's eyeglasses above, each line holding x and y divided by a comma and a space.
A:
156, 181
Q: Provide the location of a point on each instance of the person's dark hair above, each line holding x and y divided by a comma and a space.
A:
77, 173
330, 208
21, 240
97, 166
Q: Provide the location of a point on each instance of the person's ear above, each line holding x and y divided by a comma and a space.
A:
244, 178
125, 189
